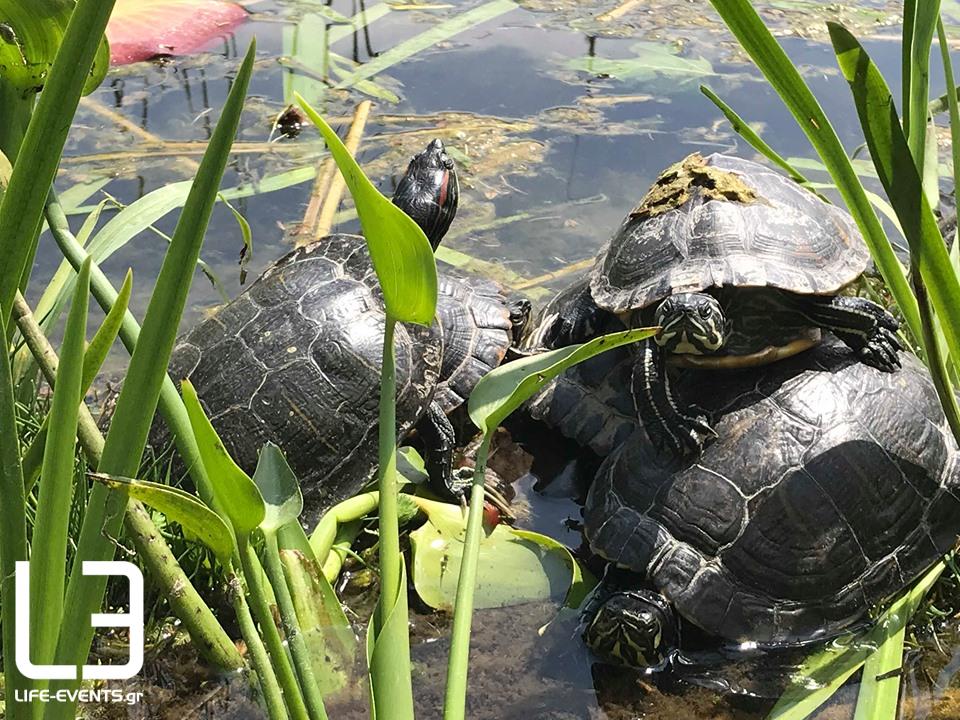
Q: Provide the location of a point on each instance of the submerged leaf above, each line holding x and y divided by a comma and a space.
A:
143, 29
651, 61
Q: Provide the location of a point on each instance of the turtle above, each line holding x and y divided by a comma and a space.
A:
295, 358
739, 266
831, 488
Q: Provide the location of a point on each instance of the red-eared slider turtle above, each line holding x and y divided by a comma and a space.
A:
739, 266
295, 359
831, 487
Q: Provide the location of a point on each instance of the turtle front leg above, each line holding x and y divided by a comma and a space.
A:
440, 440
682, 429
865, 327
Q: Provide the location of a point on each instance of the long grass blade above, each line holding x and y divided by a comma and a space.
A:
780, 72
138, 399
902, 183
924, 27
743, 129
13, 535
48, 553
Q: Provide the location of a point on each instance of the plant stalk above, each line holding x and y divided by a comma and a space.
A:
211, 640
390, 557
13, 536
260, 606
269, 687
455, 697
291, 629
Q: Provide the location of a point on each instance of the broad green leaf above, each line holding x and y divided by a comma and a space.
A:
181, 507
900, 178
49, 548
279, 489
822, 674
651, 61
329, 636
742, 19
39, 154
504, 389
539, 567
233, 489
30, 35
390, 697
401, 255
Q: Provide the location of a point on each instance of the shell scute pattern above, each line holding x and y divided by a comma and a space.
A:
295, 360
789, 239
832, 487
477, 333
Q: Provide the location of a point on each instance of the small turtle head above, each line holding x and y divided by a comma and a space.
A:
691, 324
429, 191
633, 628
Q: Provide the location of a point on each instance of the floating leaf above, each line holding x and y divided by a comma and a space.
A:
143, 29
539, 567
651, 61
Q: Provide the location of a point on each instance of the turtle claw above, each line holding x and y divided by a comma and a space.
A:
881, 350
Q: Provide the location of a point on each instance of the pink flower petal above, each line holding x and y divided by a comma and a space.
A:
142, 29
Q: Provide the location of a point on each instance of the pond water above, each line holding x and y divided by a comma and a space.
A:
560, 118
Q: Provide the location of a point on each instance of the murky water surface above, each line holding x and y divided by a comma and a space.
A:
560, 114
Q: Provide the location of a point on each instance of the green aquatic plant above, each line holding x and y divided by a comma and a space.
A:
903, 156
407, 272
499, 393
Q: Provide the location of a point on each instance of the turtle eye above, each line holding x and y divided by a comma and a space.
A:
704, 311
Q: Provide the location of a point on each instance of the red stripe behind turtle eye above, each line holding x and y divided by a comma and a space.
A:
443, 188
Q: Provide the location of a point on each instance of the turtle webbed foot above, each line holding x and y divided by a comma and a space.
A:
865, 327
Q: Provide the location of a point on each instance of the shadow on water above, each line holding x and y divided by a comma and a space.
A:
558, 132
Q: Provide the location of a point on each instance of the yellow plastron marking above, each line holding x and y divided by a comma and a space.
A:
768, 355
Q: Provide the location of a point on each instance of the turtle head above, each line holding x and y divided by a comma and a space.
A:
691, 324
429, 191
633, 628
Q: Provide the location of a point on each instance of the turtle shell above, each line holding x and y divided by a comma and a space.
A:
295, 360
477, 333
831, 487
721, 220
